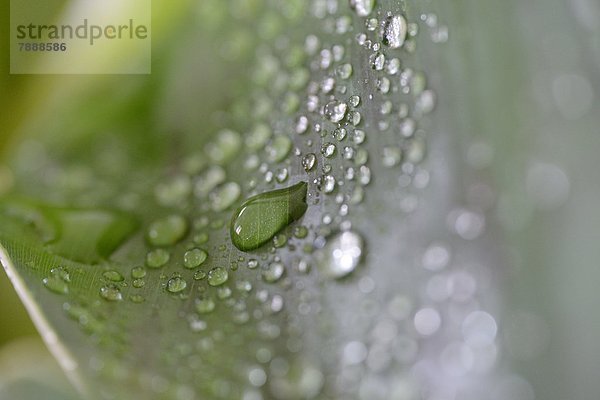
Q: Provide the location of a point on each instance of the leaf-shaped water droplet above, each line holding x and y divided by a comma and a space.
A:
260, 217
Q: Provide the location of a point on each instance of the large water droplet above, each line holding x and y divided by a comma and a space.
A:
394, 31
341, 254
260, 217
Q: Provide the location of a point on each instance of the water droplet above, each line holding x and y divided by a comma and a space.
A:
340, 134
260, 217
258, 137
157, 258
224, 196
377, 61
167, 231
280, 240
138, 283
209, 180
252, 263
113, 276
308, 161
111, 293
335, 110
274, 272
279, 148
407, 127
415, 152
56, 284
205, 305
328, 149
354, 101
217, 276
226, 145
173, 192
328, 184
362, 8
138, 272
341, 254
194, 258
301, 124
300, 232
136, 298
176, 284
282, 175
344, 71
391, 156
354, 118
394, 31
199, 275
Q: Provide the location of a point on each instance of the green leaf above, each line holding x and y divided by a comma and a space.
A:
116, 229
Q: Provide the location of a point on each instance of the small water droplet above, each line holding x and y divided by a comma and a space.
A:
328, 149
226, 145
224, 196
138, 272
344, 71
176, 284
113, 276
274, 272
167, 231
260, 217
217, 276
279, 148
111, 293
199, 275
354, 101
210, 179
377, 61
341, 254
138, 283
136, 298
301, 124
157, 258
335, 110
194, 258
308, 161
279, 240
252, 263
362, 8
300, 232
328, 184
204, 305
